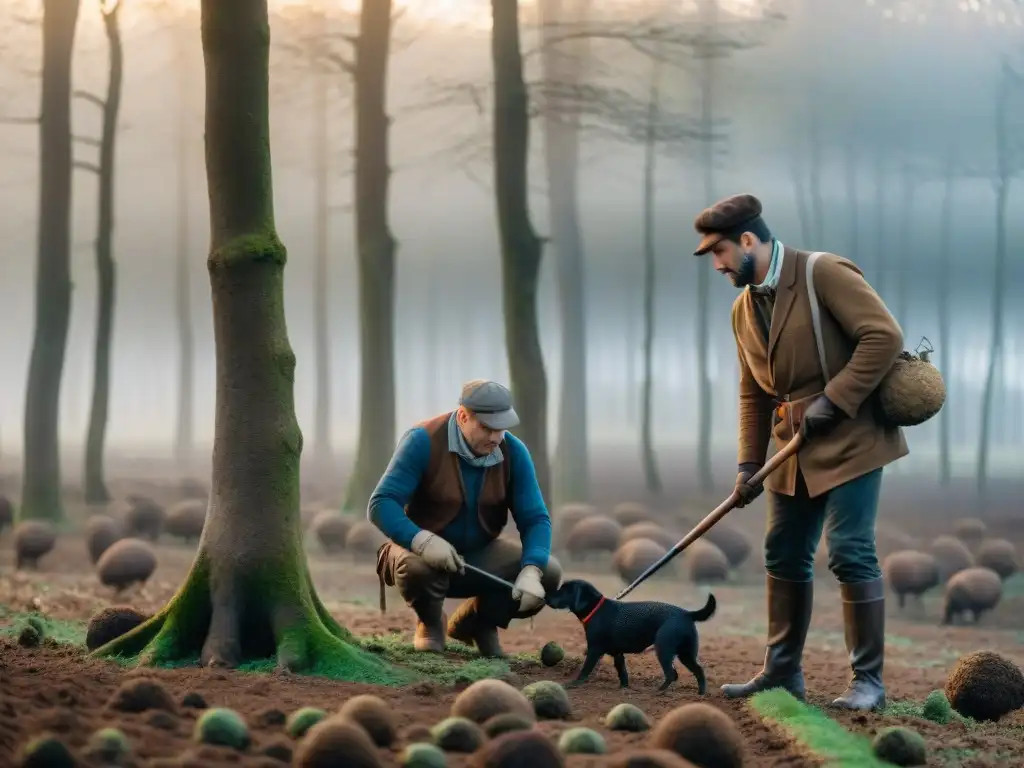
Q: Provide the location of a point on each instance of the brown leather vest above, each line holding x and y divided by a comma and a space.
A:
441, 492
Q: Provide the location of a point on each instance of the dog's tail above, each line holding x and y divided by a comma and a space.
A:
707, 611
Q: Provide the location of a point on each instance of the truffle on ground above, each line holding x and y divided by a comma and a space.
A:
140, 694
32, 540
706, 563
144, 518
110, 623
900, 746
909, 572
595, 533
127, 562
489, 697
375, 717
519, 749
974, 591
702, 734
636, 556
1000, 555
952, 556
185, 520
101, 533
336, 741
985, 686
331, 530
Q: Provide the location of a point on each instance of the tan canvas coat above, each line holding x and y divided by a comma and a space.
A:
862, 340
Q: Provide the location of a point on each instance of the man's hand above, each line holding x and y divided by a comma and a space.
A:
820, 418
437, 553
747, 493
529, 591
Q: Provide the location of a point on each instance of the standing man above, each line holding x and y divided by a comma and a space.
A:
443, 501
834, 481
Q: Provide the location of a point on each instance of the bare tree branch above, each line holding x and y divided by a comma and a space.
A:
87, 140
92, 98
82, 165
16, 120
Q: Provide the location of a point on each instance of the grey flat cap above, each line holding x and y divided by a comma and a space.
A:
490, 402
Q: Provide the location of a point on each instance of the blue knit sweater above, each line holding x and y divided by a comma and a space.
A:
412, 456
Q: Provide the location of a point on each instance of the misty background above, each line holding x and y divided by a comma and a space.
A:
892, 90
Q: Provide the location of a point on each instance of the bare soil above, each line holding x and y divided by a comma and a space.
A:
60, 689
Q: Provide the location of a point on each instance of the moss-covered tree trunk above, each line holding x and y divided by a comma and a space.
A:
648, 457
249, 594
376, 257
95, 443
183, 441
563, 66
41, 476
521, 248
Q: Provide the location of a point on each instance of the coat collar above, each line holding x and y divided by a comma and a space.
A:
785, 295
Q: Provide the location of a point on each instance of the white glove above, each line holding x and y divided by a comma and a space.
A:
436, 552
529, 591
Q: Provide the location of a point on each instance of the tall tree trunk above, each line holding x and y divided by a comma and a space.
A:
803, 211
647, 455
814, 176
945, 336
881, 266
563, 67
95, 443
996, 347
184, 437
41, 477
321, 323
249, 594
376, 257
904, 265
705, 405
631, 346
521, 249
852, 200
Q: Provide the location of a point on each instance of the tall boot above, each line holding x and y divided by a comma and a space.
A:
430, 626
789, 617
469, 626
864, 616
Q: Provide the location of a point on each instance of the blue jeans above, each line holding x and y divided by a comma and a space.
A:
846, 513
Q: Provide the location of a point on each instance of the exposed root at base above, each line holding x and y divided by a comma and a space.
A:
200, 621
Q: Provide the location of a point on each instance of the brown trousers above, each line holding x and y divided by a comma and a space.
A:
425, 588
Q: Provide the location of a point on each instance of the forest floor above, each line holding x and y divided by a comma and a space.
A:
56, 687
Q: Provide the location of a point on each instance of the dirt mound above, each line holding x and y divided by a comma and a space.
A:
144, 518
910, 573
518, 749
985, 686
651, 531
596, 533
364, 538
706, 563
141, 694
331, 530
974, 591
336, 741
952, 556
731, 540
702, 734
101, 532
32, 540
1000, 555
630, 513
486, 698
127, 562
649, 758
110, 623
374, 716
636, 556
185, 520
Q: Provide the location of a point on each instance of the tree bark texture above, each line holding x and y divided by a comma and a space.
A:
648, 457
249, 594
945, 335
184, 438
376, 257
563, 66
99, 414
521, 248
41, 477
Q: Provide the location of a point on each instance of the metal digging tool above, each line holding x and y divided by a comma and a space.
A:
497, 579
720, 511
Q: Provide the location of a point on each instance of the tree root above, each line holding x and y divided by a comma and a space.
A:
222, 624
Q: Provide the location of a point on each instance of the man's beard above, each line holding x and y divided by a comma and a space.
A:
744, 276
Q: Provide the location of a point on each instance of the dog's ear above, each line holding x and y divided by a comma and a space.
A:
580, 598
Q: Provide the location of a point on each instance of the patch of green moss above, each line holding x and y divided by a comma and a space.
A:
926, 711
61, 631
815, 730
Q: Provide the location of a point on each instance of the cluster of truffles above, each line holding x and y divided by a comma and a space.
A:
636, 537
969, 565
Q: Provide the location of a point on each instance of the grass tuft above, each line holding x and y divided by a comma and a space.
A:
60, 631
815, 730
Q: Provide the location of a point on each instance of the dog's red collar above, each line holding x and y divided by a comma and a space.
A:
590, 615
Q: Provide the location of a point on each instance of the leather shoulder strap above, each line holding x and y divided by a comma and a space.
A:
812, 295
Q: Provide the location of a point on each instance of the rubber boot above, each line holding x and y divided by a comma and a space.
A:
864, 616
467, 626
430, 627
789, 617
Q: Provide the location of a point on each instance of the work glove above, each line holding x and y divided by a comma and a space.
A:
747, 493
820, 418
437, 553
528, 589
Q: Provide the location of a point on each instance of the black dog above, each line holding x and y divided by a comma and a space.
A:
614, 628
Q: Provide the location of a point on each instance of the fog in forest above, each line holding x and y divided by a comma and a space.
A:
852, 123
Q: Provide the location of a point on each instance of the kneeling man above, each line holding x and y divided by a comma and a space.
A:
443, 501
